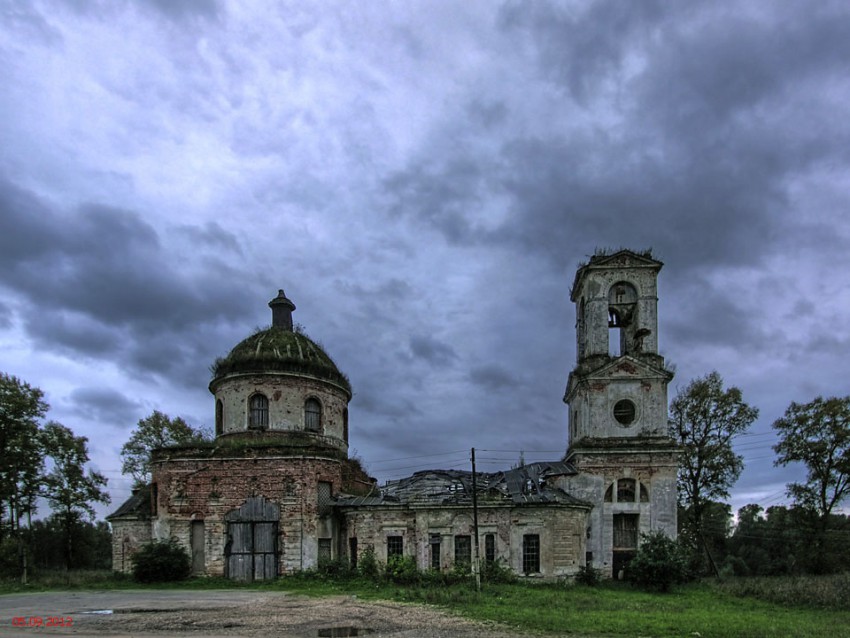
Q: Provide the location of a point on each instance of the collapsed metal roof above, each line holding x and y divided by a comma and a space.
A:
525, 485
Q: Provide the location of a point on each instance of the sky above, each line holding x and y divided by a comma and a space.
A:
422, 178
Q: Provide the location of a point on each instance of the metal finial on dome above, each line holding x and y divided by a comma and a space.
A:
281, 311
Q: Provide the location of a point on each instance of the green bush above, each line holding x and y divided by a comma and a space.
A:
659, 563
494, 571
160, 562
402, 570
338, 568
367, 564
589, 576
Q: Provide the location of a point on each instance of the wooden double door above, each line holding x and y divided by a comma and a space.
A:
251, 550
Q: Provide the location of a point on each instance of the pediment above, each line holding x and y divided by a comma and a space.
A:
627, 367
619, 369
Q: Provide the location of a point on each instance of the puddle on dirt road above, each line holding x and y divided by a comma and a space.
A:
99, 612
343, 632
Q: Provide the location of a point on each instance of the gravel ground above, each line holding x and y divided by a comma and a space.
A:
209, 614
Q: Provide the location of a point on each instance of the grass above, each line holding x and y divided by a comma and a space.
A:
749, 608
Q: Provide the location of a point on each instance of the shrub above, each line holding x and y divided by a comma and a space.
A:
402, 570
161, 561
494, 571
334, 568
367, 564
659, 563
589, 576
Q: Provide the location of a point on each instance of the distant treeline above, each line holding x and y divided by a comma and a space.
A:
44, 544
774, 542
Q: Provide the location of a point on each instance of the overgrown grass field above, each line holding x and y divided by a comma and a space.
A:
751, 608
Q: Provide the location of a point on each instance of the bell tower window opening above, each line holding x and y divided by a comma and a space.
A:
258, 415
615, 334
219, 418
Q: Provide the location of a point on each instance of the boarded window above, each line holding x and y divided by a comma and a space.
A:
626, 491
395, 546
352, 552
490, 547
625, 531
463, 550
324, 550
325, 499
434, 542
531, 554
258, 417
312, 415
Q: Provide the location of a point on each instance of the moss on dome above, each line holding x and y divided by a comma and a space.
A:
277, 349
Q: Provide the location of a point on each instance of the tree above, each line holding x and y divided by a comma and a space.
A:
152, 432
817, 434
21, 407
704, 419
67, 487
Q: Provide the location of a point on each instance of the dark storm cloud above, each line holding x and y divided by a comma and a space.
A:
582, 47
101, 282
492, 377
432, 350
104, 405
213, 236
697, 169
734, 322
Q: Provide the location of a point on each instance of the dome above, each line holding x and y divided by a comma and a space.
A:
279, 348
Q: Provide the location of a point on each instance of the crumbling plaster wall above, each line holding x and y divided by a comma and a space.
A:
206, 489
287, 394
127, 536
594, 402
561, 530
656, 471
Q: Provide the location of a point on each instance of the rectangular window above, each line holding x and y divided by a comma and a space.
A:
531, 554
395, 546
490, 548
625, 531
352, 552
434, 542
325, 500
324, 550
463, 550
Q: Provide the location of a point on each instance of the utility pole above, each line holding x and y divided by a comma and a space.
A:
477, 564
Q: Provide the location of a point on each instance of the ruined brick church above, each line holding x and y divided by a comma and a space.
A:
275, 491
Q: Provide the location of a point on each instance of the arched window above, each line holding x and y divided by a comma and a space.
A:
219, 418
626, 491
258, 415
345, 425
609, 494
644, 494
312, 415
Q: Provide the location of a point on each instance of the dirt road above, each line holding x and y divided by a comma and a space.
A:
225, 614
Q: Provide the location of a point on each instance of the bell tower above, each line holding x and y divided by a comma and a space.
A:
617, 396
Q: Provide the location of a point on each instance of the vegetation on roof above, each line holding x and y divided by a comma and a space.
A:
603, 252
275, 349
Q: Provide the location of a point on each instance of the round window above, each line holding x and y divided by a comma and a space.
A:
624, 412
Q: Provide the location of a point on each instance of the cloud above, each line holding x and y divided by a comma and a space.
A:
432, 350
104, 405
